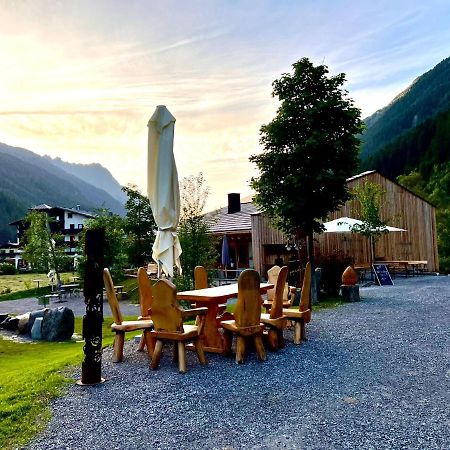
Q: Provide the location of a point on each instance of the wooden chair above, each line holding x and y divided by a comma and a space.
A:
120, 326
201, 282
145, 300
168, 316
247, 316
276, 321
303, 315
288, 292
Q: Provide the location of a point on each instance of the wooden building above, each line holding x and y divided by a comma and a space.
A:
258, 245
401, 208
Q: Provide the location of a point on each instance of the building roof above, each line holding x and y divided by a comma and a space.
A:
360, 175
221, 222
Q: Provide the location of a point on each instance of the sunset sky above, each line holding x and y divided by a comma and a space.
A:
80, 79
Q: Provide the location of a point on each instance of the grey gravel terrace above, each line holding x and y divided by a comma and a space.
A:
373, 375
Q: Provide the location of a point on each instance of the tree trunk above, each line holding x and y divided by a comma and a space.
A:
310, 245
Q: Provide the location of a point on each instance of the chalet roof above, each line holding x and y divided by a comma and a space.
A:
360, 175
41, 207
222, 222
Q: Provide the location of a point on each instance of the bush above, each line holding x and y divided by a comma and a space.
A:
333, 265
7, 269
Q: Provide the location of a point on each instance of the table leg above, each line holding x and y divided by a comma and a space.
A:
211, 338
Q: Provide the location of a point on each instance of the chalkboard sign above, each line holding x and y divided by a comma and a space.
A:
383, 275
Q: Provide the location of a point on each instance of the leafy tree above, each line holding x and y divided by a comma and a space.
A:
115, 257
198, 245
139, 227
435, 189
44, 250
370, 197
310, 149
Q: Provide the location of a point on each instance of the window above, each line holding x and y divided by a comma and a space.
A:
72, 238
72, 226
69, 215
80, 226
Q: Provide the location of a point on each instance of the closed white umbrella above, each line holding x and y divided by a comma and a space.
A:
163, 190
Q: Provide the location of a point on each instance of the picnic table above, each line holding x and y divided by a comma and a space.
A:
37, 281
413, 267
70, 288
210, 298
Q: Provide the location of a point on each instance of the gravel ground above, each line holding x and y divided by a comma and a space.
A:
75, 303
373, 375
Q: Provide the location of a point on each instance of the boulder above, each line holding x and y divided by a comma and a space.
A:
36, 330
33, 316
58, 324
10, 323
23, 323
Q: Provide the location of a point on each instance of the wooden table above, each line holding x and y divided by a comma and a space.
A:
70, 287
210, 298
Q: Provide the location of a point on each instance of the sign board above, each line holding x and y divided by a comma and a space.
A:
383, 275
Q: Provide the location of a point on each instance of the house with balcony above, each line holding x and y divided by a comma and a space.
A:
68, 222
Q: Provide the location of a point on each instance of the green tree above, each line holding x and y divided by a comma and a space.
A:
115, 256
198, 245
370, 197
310, 149
435, 189
44, 250
139, 227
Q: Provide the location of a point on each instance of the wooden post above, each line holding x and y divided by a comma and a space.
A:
310, 243
91, 368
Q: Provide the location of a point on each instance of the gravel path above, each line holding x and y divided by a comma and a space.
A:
75, 303
373, 375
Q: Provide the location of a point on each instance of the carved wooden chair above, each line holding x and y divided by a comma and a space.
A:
288, 292
168, 316
303, 315
120, 326
247, 316
201, 282
275, 322
145, 300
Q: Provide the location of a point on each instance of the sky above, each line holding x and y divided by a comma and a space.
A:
80, 79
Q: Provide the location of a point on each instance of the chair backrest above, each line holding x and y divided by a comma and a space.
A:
248, 307
277, 305
166, 312
272, 277
112, 298
200, 277
145, 291
306, 289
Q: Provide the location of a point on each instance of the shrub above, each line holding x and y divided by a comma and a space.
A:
7, 269
333, 265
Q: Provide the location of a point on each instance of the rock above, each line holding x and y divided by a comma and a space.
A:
10, 323
23, 323
349, 277
58, 324
36, 330
350, 293
33, 316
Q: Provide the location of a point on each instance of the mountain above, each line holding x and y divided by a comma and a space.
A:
90, 172
27, 179
427, 96
420, 149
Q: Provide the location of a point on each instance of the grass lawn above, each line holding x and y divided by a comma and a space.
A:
31, 374
24, 281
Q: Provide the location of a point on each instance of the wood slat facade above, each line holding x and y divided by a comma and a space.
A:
401, 208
